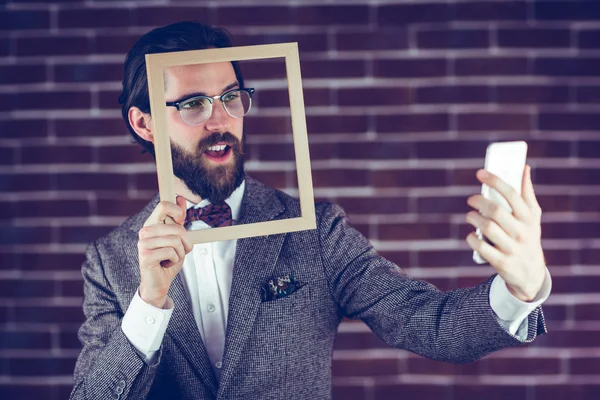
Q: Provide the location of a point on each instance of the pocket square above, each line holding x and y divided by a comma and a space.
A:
281, 286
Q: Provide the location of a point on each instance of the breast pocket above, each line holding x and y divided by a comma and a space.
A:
285, 312
300, 295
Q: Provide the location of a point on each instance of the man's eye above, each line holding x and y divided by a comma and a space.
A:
192, 104
230, 97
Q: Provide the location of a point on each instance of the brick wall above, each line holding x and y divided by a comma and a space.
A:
402, 98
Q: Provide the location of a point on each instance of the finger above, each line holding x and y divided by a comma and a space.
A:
182, 203
164, 241
527, 190
163, 211
520, 210
492, 231
497, 213
161, 230
158, 256
486, 251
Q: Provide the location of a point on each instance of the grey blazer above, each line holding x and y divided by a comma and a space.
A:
279, 348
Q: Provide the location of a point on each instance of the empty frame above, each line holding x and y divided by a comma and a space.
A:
155, 64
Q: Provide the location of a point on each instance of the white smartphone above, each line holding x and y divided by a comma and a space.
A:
506, 160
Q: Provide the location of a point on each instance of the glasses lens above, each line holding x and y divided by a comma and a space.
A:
237, 103
195, 111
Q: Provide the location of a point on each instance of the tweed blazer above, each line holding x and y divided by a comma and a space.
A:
280, 348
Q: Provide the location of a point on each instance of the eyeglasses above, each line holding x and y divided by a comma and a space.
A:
197, 110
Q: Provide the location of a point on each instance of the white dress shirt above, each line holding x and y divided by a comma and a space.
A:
207, 272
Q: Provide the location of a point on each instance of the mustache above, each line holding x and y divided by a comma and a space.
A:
224, 137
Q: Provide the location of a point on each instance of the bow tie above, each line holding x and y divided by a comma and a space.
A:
214, 215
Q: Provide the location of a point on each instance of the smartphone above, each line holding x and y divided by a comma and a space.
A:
506, 160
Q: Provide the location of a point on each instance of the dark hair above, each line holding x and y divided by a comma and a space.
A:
181, 36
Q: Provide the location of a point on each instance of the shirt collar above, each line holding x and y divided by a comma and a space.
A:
234, 201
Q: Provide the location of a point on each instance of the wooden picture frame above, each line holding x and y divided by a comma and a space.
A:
155, 64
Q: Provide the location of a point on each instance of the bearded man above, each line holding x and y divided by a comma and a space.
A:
256, 318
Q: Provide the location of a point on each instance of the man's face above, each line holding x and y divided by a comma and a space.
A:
208, 174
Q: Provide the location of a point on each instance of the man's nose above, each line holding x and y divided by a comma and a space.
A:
219, 119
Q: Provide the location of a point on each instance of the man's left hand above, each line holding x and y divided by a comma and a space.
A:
517, 255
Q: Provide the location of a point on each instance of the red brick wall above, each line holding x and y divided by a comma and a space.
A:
402, 98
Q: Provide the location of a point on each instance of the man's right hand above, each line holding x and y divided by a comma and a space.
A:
162, 247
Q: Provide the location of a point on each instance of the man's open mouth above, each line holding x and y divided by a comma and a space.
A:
218, 152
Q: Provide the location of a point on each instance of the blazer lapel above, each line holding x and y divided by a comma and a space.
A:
182, 326
254, 261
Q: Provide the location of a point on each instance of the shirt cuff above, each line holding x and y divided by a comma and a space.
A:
145, 325
511, 310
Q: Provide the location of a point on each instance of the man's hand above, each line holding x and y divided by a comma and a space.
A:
517, 256
162, 247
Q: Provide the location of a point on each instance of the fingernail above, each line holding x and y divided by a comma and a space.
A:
483, 173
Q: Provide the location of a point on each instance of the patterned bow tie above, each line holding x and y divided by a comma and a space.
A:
214, 215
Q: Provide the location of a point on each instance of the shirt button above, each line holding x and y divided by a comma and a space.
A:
150, 320
203, 252
211, 307
219, 364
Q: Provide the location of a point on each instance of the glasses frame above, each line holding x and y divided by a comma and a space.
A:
211, 100
155, 68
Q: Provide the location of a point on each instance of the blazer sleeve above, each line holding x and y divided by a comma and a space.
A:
108, 366
455, 326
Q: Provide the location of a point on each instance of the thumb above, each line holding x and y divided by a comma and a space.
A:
527, 189
181, 202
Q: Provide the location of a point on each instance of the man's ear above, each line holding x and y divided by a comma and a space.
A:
141, 123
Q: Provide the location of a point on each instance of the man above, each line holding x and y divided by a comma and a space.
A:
256, 318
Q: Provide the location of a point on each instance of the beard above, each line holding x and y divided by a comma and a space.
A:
210, 181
